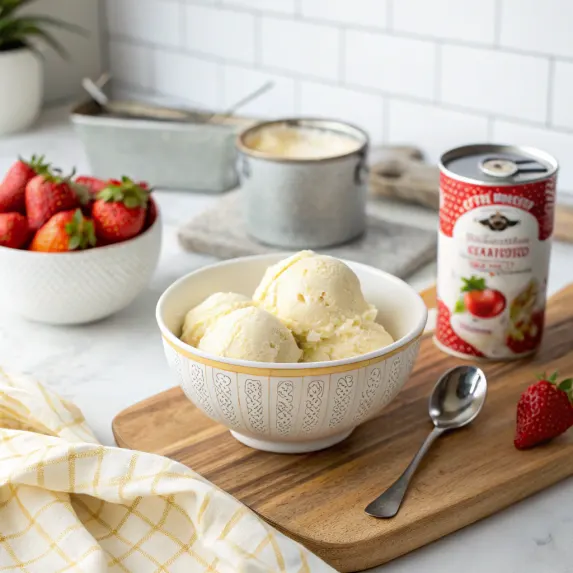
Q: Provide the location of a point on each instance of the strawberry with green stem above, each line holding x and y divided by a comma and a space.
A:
47, 194
65, 231
479, 300
13, 186
544, 411
120, 209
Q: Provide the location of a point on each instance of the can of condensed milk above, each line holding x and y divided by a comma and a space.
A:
496, 222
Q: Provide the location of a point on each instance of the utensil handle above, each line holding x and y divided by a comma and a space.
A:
388, 504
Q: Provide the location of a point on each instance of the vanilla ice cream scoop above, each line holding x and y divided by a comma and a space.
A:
314, 295
350, 342
250, 334
199, 318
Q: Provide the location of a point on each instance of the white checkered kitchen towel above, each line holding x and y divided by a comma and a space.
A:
69, 504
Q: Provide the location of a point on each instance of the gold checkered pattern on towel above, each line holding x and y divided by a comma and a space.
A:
69, 504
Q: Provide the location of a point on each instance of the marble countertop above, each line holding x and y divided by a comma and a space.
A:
110, 365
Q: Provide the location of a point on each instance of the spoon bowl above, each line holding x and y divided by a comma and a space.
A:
457, 397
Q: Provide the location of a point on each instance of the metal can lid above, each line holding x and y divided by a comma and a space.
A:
498, 165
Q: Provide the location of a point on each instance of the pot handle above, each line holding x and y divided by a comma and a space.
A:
243, 167
362, 170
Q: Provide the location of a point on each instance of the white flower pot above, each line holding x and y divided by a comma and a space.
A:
21, 89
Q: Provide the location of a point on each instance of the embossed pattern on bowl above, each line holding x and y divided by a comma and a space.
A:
291, 408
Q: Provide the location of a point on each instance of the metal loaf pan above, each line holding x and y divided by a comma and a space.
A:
176, 155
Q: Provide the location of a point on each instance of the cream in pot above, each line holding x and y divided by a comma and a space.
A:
301, 142
303, 182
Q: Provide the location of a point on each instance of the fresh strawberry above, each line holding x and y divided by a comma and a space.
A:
480, 300
458, 198
65, 231
13, 187
151, 215
92, 184
446, 335
14, 231
46, 195
544, 411
119, 211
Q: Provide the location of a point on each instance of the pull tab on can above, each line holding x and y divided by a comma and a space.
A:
503, 167
499, 167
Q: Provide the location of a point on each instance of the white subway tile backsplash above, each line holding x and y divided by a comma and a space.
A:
300, 47
220, 32
187, 78
363, 110
537, 26
371, 13
432, 128
467, 20
279, 6
402, 69
495, 82
390, 64
238, 82
131, 64
558, 144
562, 92
155, 21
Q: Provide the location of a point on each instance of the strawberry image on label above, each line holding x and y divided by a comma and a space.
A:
480, 300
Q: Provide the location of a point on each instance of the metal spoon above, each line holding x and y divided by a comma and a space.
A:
242, 102
138, 110
456, 400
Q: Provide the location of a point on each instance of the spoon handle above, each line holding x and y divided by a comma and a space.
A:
387, 504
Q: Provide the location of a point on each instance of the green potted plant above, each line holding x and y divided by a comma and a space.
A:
21, 66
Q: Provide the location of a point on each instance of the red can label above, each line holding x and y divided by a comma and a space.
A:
493, 261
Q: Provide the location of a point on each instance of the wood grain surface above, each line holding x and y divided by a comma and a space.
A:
319, 498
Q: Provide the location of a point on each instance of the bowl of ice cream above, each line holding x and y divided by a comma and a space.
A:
291, 354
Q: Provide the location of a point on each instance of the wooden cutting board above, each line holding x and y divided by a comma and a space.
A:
319, 498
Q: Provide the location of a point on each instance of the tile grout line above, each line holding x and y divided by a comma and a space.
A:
297, 96
221, 81
490, 128
104, 36
389, 31
400, 34
341, 56
389, 15
365, 89
550, 85
258, 40
386, 120
497, 18
151, 69
438, 73
183, 23
298, 9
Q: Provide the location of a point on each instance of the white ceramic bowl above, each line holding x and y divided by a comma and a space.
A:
81, 286
291, 408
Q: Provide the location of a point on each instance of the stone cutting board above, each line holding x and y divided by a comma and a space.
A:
393, 247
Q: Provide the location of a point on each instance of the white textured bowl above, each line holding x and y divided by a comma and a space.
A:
291, 408
78, 287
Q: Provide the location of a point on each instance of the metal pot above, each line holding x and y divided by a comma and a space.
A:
304, 203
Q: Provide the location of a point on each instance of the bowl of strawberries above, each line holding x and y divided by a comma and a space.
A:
73, 249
